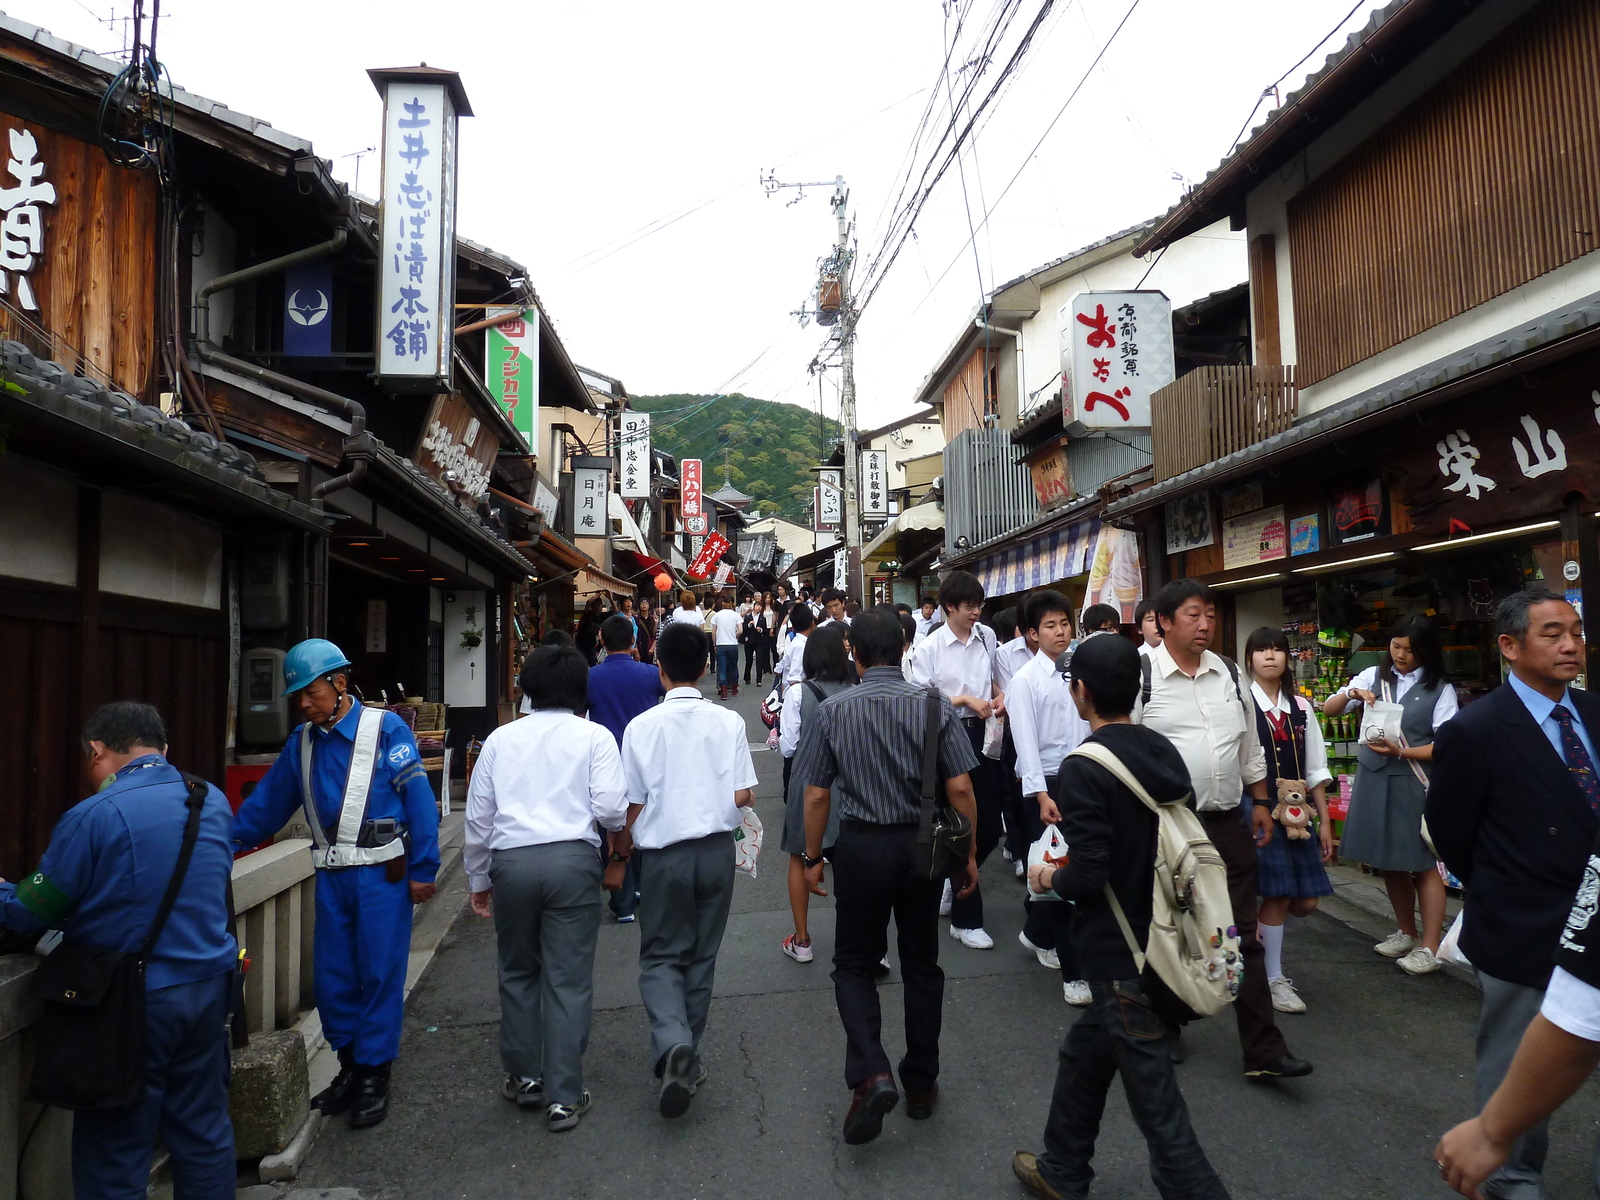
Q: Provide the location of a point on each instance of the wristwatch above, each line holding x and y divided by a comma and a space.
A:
619, 858
809, 861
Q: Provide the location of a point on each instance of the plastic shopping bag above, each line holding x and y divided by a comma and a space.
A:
1050, 848
1380, 722
1450, 948
994, 737
747, 843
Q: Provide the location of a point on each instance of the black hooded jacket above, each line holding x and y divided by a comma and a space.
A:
1111, 837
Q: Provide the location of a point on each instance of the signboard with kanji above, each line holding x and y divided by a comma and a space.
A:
874, 483
1116, 348
692, 496
711, 551
456, 448
511, 367
633, 452
590, 487
830, 507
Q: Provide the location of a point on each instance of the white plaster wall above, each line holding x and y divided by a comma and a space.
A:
465, 670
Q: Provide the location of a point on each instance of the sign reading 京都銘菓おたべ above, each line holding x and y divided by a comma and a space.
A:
633, 452
416, 244
1256, 537
511, 367
1116, 350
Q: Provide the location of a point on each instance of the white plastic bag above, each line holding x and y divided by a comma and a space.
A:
1450, 947
1052, 848
1380, 722
994, 737
747, 843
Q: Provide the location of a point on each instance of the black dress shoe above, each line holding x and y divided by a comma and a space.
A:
1177, 1050
873, 1100
919, 1105
1285, 1066
339, 1095
372, 1097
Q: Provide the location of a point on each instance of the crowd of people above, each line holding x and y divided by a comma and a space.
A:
1038, 726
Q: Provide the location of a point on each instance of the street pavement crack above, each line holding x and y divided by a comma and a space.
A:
755, 1083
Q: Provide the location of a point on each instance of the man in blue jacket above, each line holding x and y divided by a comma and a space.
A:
620, 689
356, 775
101, 882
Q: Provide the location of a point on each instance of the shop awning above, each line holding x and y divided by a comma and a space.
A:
922, 516
592, 579
1045, 558
633, 564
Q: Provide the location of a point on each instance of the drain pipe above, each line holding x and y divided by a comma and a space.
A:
1022, 385
202, 299
357, 447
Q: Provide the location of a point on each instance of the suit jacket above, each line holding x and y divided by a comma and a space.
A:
619, 690
1510, 821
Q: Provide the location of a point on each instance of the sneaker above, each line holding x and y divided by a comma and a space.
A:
677, 1080
1396, 945
1006, 854
946, 899
883, 967
1021, 869
628, 919
522, 1091
799, 951
1420, 962
1047, 958
700, 1074
1284, 998
972, 939
563, 1117
1076, 993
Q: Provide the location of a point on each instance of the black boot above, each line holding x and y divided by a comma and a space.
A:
341, 1093
372, 1104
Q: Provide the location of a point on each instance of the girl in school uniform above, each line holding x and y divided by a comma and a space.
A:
1384, 829
1290, 877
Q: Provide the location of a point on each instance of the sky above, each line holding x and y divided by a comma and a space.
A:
618, 148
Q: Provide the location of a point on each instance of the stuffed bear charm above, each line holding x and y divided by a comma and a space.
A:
1293, 811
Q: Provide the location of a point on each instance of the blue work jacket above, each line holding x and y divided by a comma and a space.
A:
619, 690
107, 867
399, 789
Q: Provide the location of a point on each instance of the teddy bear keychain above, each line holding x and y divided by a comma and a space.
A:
1292, 810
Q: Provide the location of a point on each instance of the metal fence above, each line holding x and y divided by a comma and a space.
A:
987, 492
1213, 411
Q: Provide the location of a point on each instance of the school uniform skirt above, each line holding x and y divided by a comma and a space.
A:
1384, 828
793, 839
1291, 868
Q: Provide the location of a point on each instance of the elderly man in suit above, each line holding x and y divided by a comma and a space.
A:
1514, 807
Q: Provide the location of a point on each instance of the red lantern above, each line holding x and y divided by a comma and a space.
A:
663, 582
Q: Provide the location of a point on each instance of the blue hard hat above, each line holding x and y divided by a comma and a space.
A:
309, 661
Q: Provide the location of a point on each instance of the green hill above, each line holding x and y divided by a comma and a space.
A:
771, 446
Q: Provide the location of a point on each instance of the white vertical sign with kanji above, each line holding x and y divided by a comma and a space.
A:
634, 454
1117, 347
874, 483
590, 486
692, 496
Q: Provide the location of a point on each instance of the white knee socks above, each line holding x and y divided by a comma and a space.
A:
1272, 943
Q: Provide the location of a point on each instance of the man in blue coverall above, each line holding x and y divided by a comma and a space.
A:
101, 882
376, 830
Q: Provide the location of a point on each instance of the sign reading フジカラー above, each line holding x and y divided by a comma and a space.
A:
511, 367
1116, 349
416, 245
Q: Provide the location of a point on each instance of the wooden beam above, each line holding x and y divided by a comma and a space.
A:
1264, 299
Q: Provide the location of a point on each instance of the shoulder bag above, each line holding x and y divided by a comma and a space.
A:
944, 834
1416, 769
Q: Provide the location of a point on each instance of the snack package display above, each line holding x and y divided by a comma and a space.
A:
747, 843
1050, 848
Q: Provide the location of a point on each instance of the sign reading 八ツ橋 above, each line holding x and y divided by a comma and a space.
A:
634, 453
511, 367
1116, 348
417, 215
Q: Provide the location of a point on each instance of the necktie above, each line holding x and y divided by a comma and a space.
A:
1578, 761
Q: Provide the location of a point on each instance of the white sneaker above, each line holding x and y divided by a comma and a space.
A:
1047, 958
1022, 869
563, 1117
522, 1091
1284, 998
1077, 993
1005, 854
1396, 945
799, 951
946, 899
1420, 962
972, 939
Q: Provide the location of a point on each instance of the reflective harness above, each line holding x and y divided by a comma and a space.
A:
344, 852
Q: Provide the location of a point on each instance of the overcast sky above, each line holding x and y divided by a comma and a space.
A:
599, 123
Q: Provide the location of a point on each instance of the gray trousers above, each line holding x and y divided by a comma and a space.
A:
685, 890
546, 920
1508, 1009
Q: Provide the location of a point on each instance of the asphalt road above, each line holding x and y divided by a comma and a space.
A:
1393, 1059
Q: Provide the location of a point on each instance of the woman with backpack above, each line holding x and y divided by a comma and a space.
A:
1290, 876
828, 671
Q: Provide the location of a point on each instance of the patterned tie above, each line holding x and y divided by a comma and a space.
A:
1577, 757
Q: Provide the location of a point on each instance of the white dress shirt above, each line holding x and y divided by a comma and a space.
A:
1206, 721
957, 668
546, 778
684, 759
1316, 762
726, 624
687, 616
1146, 648
1572, 1005
1045, 725
789, 722
1445, 707
1010, 659
792, 665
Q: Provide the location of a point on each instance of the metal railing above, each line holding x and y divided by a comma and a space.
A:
17, 326
1214, 411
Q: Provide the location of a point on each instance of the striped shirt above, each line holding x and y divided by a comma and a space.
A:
865, 744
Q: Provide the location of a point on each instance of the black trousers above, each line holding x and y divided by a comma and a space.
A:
989, 792
1016, 804
1259, 1036
871, 883
1048, 923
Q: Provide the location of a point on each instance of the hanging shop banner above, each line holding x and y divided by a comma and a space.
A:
1120, 349
456, 448
1051, 473
711, 551
721, 577
1255, 537
841, 567
1189, 523
874, 483
1114, 575
308, 310
830, 508
693, 497
511, 367
633, 451
590, 486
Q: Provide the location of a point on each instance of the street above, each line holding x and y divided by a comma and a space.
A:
1393, 1056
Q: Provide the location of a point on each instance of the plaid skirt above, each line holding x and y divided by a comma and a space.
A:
1291, 868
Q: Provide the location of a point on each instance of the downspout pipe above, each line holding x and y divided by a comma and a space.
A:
202, 299
1022, 380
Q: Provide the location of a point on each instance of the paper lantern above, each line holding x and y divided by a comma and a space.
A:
663, 582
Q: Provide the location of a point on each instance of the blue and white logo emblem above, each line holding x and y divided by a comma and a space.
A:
308, 306
400, 755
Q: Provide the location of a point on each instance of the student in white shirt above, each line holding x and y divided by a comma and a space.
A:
540, 787
689, 773
958, 659
1148, 625
833, 601
688, 610
1016, 648
1045, 726
791, 667
726, 626
927, 619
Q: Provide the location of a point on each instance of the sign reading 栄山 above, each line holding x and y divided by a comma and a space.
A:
417, 217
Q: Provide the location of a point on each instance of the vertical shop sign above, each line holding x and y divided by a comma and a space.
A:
633, 450
1120, 351
416, 248
22, 233
693, 497
511, 367
831, 510
590, 486
874, 483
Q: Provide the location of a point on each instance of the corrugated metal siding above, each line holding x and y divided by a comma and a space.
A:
1488, 181
987, 493
1094, 460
